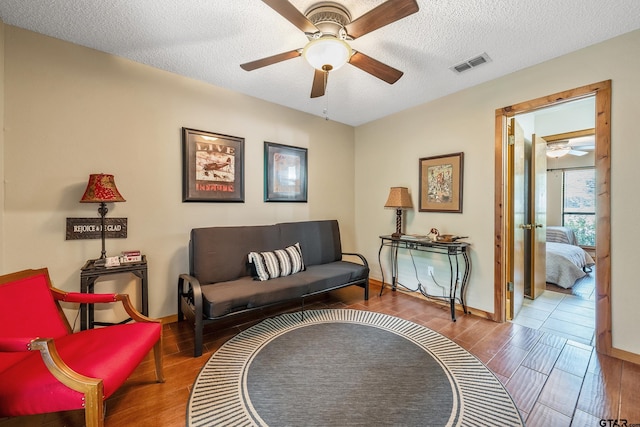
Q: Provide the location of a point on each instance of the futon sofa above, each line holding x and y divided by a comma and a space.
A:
233, 270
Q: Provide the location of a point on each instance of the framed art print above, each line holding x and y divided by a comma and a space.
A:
441, 183
285, 173
213, 167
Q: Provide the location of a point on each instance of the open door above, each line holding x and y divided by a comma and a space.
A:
538, 215
518, 205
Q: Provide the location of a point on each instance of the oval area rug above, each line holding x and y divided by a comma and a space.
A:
346, 368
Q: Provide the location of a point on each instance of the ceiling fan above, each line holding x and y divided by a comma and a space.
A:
329, 27
558, 149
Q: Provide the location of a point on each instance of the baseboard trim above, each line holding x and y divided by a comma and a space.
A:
470, 310
625, 355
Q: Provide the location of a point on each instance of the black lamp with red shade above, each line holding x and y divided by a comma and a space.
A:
102, 189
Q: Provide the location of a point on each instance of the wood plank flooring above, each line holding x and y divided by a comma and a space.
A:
554, 381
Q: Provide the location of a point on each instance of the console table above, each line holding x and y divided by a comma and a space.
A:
453, 251
89, 273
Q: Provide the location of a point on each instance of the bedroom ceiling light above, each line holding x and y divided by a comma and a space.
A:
558, 152
327, 53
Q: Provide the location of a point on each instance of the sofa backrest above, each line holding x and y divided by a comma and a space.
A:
319, 240
219, 254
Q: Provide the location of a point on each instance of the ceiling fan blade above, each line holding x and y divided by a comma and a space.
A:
578, 153
259, 63
375, 68
319, 83
388, 12
291, 14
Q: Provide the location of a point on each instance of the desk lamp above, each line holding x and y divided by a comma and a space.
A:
399, 199
101, 188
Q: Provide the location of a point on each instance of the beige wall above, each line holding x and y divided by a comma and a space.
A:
71, 111
387, 153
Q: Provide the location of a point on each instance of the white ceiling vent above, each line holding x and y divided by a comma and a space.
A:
471, 63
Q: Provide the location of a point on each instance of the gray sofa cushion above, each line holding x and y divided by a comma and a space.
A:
245, 293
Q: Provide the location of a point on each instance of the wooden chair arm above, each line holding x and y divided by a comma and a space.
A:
132, 311
84, 298
92, 388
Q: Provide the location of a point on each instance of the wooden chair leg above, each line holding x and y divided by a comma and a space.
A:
94, 406
157, 355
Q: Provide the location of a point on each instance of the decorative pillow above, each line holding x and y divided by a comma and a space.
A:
281, 262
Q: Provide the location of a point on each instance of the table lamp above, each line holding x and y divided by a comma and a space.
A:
399, 199
101, 188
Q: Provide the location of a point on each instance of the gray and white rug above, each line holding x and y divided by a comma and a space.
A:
346, 368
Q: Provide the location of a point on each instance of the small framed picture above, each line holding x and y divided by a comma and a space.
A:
441, 183
212, 168
285, 169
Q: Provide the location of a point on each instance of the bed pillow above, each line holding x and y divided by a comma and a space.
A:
279, 263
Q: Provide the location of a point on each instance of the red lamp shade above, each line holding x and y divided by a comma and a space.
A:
101, 189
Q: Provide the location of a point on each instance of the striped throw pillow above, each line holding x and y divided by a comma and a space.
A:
279, 263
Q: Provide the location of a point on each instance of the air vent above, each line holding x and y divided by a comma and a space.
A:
471, 63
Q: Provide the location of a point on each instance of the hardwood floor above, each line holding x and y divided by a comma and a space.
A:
554, 381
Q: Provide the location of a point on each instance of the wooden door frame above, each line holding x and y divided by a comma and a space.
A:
602, 92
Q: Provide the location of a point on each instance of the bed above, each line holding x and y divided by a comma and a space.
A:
566, 262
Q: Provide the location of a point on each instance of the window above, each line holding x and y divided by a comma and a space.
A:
579, 204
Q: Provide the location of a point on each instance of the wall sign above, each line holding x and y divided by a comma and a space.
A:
91, 228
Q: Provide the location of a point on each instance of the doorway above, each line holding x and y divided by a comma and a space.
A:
502, 248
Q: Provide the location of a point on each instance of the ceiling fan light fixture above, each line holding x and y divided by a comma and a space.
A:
558, 152
327, 53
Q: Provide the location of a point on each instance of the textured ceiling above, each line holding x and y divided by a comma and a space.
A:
209, 39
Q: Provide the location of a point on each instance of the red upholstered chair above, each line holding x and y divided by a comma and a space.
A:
45, 367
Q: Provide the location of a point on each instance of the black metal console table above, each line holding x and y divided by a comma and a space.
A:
453, 251
89, 273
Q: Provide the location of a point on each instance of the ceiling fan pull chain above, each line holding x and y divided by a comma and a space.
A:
326, 96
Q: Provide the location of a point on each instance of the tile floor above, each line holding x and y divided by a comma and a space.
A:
562, 314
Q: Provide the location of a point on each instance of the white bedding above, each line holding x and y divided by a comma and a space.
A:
566, 263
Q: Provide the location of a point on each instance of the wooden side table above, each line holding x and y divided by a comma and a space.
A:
89, 273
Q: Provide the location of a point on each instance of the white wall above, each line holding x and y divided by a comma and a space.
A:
387, 153
71, 111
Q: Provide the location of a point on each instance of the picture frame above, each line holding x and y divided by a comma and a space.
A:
441, 183
212, 167
285, 173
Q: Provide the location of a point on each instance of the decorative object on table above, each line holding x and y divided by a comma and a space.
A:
101, 188
399, 199
130, 256
441, 183
212, 167
433, 234
285, 169
448, 238
437, 383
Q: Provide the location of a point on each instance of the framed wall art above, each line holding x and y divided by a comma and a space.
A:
441, 183
285, 169
213, 167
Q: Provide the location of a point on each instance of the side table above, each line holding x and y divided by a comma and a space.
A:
89, 273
